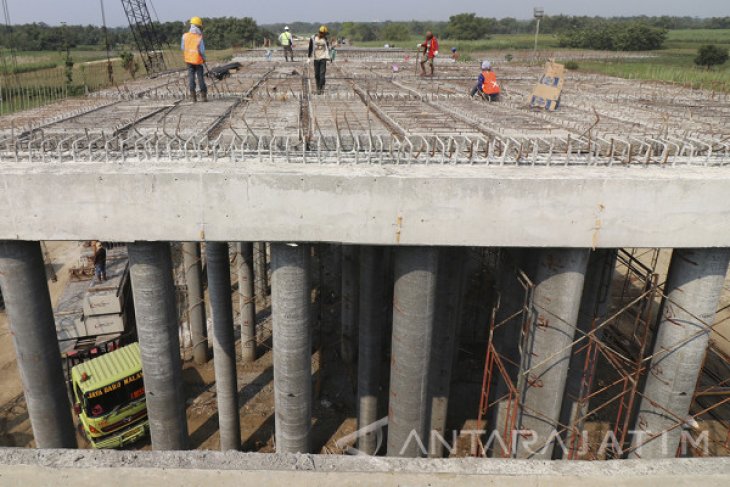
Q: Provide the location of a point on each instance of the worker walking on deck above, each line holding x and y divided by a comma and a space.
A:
193, 48
487, 85
430, 51
319, 50
287, 42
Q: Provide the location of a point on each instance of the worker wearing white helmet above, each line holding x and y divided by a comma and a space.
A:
487, 85
287, 42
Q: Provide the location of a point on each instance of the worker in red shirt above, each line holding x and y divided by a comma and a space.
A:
487, 85
430, 51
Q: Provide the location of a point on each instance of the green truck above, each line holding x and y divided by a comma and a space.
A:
109, 398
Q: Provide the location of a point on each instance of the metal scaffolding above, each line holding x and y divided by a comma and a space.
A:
617, 353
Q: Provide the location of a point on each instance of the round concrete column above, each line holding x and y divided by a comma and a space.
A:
224, 344
557, 296
28, 303
248, 302
373, 316
196, 301
414, 306
350, 303
159, 342
693, 289
292, 337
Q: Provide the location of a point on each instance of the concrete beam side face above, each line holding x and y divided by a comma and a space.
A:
693, 289
248, 301
443, 342
157, 328
292, 339
28, 303
414, 306
350, 303
224, 344
557, 296
372, 320
196, 301
394, 205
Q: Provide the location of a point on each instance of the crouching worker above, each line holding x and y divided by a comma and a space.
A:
487, 85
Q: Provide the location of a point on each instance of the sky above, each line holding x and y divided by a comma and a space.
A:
272, 11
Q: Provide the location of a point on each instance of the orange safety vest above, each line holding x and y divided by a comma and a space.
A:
192, 48
490, 86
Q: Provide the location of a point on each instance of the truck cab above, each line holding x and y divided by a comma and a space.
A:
109, 398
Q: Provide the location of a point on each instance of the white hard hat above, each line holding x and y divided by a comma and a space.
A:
286, 28
486, 65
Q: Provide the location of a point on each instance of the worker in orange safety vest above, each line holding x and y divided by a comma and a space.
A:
193, 48
487, 85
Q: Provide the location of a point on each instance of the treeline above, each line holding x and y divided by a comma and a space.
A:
632, 36
221, 33
227, 32
471, 27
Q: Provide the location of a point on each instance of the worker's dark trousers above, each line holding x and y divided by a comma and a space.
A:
288, 52
196, 70
320, 73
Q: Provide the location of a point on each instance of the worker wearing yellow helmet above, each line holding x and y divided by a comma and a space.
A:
319, 50
193, 47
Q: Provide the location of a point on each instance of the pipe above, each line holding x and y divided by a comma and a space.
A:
28, 303
373, 306
350, 302
693, 290
292, 338
157, 328
414, 300
224, 344
247, 302
196, 301
557, 296
449, 294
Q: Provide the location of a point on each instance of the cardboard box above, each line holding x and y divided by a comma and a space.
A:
546, 94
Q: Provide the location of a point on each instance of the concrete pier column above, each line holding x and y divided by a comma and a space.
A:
449, 293
558, 286
261, 277
28, 303
247, 301
292, 337
414, 306
693, 289
330, 279
196, 301
593, 311
350, 303
373, 309
157, 327
224, 344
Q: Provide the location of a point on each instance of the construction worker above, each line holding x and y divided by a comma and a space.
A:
193, 48
319, 50
99, 262
287, 42
487, 85
430, 51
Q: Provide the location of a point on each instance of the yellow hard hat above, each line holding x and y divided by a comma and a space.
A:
324, 30
197, 21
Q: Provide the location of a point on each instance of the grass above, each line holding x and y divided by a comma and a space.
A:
670, 66
495, 42
694, 38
